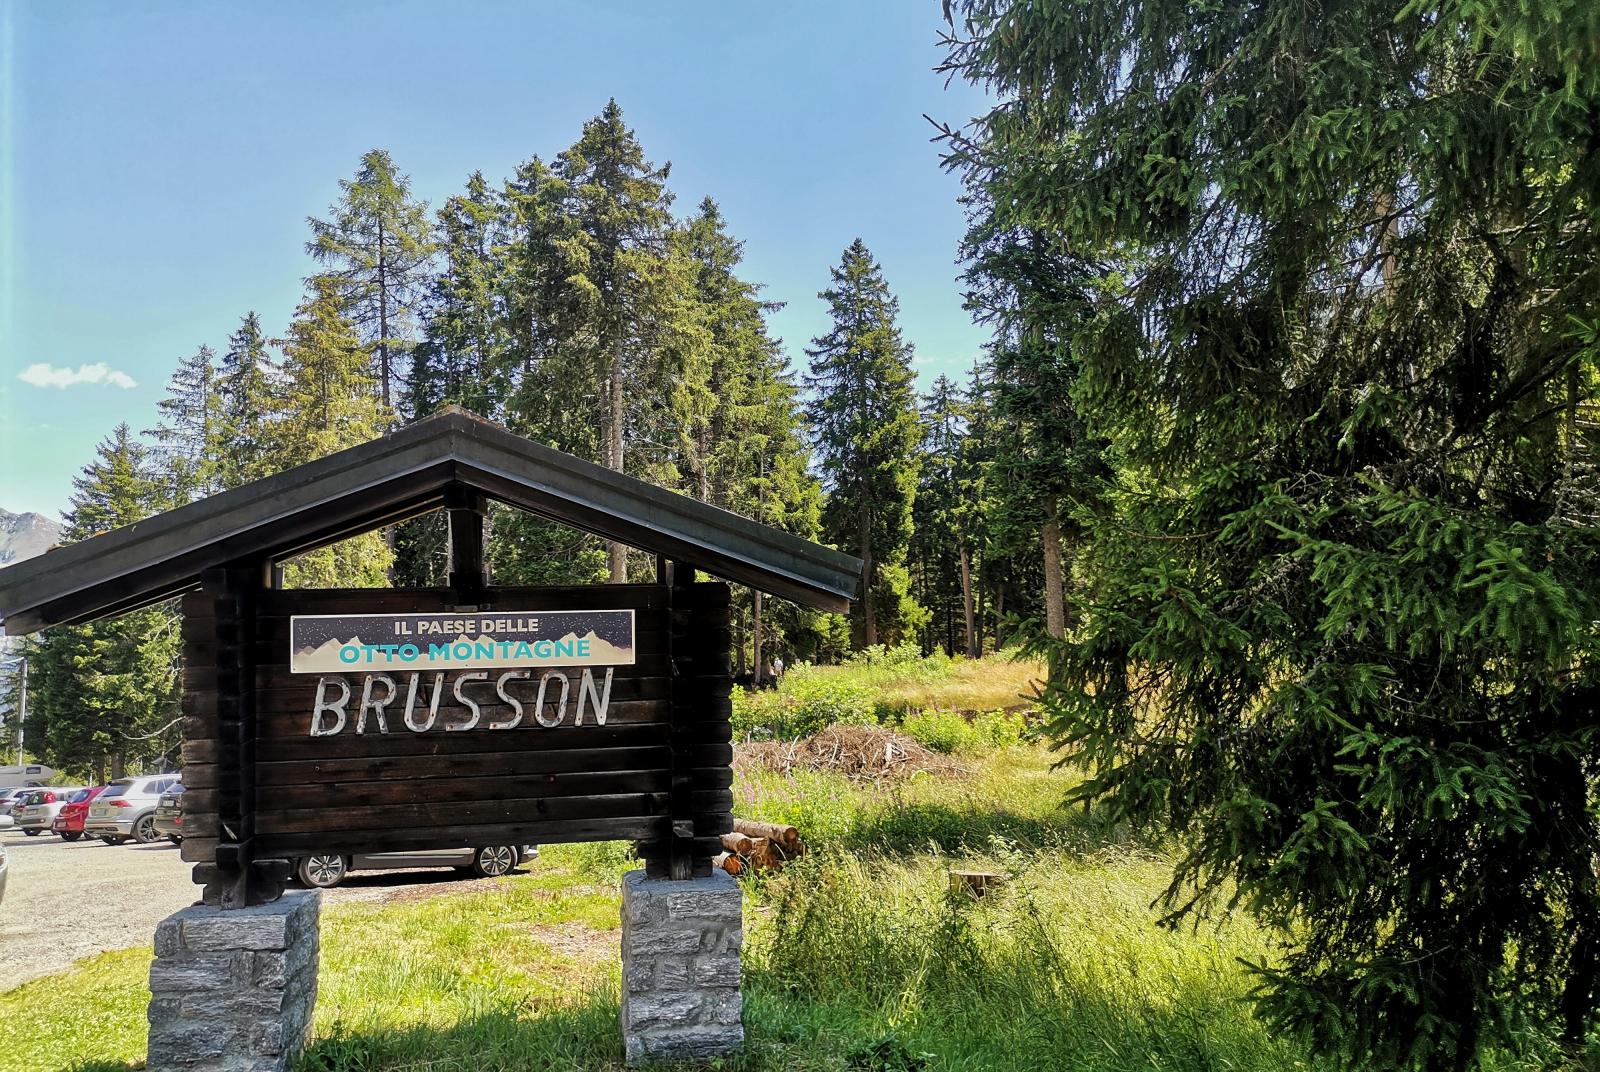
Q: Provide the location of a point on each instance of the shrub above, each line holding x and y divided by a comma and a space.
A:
953, 733
943, 731
808, 700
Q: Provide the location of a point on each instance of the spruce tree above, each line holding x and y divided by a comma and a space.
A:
191, 423
325, 404
738, 419
104, 695
246, 383
1339, 614
1031, 291
863, 416
464, 358
377, 247
938, 551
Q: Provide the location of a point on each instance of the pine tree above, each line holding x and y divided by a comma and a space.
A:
1338, 615
738, 419
245, 383
938, 550
864, 424
105, 694
1031, 291
325, 404
377, 246
190, 428
464, 358
604, 315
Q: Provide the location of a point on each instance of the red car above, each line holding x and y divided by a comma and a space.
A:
69, 823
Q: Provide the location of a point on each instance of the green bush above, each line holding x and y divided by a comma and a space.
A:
943, 731
805, 702
953, 733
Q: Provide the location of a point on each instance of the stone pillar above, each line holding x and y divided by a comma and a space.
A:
680, 967
231, 990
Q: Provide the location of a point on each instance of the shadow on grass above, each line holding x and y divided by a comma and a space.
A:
578, 1035
908, 828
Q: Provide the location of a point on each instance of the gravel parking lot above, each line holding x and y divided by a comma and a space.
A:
65, 901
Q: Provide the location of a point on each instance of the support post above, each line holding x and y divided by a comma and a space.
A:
233, 990
680, 968
468, 575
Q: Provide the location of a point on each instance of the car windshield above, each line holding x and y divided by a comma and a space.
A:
33, 798
80, 796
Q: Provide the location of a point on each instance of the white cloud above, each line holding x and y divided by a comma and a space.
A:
45, 375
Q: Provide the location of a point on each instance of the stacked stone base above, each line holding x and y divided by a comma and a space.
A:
680, 967
232, 991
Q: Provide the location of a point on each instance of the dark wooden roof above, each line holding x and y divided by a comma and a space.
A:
401, 475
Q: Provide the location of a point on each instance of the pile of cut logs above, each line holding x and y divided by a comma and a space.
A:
758, 847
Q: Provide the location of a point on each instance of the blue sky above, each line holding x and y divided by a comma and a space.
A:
158, 162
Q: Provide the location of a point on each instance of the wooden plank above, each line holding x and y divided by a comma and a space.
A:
350, 772
277, 724
477, 813
460, 791
474, 742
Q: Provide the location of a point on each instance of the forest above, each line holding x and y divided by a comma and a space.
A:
1282, 457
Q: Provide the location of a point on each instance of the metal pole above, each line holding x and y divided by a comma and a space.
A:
22, 710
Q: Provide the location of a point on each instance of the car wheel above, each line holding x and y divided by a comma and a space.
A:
144, 831
175, 839
494, 861
31, 833
71, 835
323, 872
115, 840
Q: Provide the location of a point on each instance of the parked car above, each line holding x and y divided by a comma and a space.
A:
5, 821
127, 809
36, 811
169, 814
69, 822
10, 796
327, 871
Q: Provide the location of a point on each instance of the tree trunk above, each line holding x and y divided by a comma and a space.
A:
614, 430
738, 644
869, 607
974, 643
755, 633
119, 764
1054, 599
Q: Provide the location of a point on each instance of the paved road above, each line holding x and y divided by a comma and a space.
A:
67, 901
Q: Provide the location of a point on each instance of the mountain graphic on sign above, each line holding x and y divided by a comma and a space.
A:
324, 658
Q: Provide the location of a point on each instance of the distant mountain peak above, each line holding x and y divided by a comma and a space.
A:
25, 535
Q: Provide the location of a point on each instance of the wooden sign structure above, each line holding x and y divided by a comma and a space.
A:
473, 714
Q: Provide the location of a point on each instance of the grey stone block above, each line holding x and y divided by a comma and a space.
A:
233, 991
268, 926
656, 942
680, 960
210, 973
693, 1044
717, 971
672, 973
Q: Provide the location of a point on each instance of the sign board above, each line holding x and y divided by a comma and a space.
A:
330, 643
579, 713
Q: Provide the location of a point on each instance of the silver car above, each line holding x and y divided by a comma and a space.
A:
5, 822
10, 796
325, 872
35, 812
127, 809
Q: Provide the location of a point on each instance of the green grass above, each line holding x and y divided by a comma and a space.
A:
857, 957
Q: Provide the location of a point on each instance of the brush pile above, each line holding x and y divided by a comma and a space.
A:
864, 752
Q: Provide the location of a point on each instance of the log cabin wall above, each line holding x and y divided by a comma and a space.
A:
260, 787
